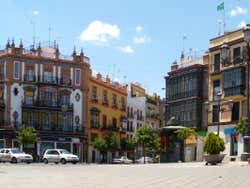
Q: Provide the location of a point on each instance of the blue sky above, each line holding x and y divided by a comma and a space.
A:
129, 40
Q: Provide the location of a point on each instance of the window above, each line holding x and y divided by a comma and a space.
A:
215, 113
114, 122
236, 111
236, 55
94, 121
28, 100
104, 120
65, 100
234, 81
105, 97
94, 94
114, 101
16, 70
216, 89
48, 76
123, 106
78, 75
29, 76
217, 62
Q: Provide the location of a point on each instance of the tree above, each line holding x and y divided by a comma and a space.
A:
112, 142
127, 144
100, 144
185, 133
213, 144
26, 135
241, 126
148, 140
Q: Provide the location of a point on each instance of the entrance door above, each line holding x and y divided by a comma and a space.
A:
93, 156
233, 146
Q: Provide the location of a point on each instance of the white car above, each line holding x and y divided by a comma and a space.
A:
122, 160
59, 155
147, 160
14, 155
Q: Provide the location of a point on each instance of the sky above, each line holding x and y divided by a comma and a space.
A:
132, 41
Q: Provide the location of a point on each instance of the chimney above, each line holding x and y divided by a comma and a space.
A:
174, 66
81, 55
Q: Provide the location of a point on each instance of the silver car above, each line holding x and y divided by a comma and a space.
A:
59, 155
14, 155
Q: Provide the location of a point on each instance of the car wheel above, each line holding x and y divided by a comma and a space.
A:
45, 161
13, 160
63, 161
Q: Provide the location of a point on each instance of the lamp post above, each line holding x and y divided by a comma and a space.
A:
246, 147
219, 109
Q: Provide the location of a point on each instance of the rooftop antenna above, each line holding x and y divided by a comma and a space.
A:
219, 26
49, 29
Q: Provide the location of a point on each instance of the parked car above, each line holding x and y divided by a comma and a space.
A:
147, 160
59, 155
122, 160
14, 155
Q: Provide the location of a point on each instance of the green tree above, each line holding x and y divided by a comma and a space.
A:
112, 142
213, 144
149, 140
100, 144
241, 126
185, 133
127, 144
26, 135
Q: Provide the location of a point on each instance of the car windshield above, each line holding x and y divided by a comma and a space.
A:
16, 151
63, 151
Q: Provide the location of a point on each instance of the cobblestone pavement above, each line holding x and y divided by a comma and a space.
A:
233, 174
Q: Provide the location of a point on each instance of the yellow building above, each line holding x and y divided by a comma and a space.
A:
107, 113
227, 87
153, 111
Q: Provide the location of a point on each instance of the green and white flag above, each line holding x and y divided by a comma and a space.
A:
220, 7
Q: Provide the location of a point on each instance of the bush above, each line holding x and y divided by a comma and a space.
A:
213, 144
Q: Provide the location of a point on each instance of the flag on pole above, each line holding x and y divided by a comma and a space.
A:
220, 7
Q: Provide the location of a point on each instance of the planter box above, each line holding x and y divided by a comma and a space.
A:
213, 159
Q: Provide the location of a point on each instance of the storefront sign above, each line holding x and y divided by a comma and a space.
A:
229, 130
56, 139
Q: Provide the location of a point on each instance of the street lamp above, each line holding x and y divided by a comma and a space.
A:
246, 154
219, 109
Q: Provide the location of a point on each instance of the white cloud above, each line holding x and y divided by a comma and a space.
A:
242, 24
238, 10
35, 12
141, 39
127, 49
100, 32
139, 29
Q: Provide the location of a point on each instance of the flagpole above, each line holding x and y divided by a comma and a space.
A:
224, 19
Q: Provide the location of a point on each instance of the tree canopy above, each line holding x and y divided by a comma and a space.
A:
26, 135
185, 133
148, 139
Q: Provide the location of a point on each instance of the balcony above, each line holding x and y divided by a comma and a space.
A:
29, 78
48, 80
94, 125
114, 105
56, 127
65, 83
123, 107
48, 104
94, 98
110, 128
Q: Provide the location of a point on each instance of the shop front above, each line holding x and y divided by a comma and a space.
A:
72, 145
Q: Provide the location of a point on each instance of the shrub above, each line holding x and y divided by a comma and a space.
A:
213, 144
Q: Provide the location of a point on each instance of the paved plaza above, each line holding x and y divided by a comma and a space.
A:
234, 174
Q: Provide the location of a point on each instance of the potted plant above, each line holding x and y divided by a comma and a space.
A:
213, 146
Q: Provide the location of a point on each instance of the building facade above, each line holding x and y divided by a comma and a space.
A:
107, 113
136, 109
227, 88
186, 93
43, 89
153, 111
